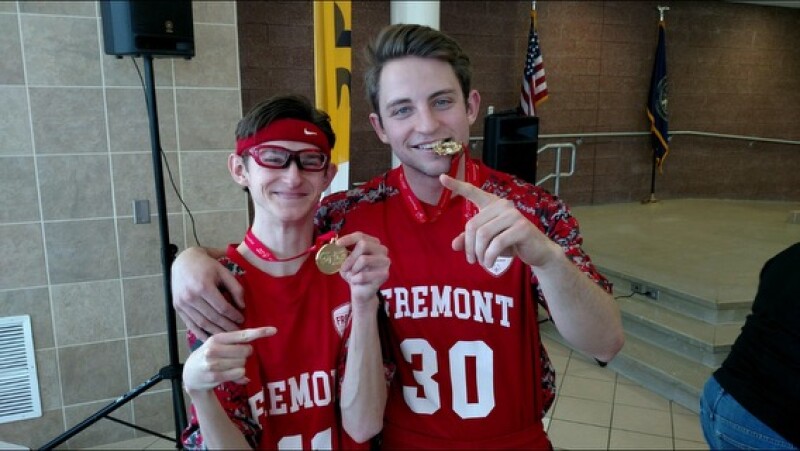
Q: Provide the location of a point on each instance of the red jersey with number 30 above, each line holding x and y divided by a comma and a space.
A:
471, 371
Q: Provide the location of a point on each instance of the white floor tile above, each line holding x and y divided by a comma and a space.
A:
685, 444
162, 444
687, 427
136, 443
620, 439
583, 411
568, 435
585, 388
624, 380
555, 348
680, 410
581, 366
637, 396
560, 364
646, 421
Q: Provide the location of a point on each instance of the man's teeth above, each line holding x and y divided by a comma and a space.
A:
428, 146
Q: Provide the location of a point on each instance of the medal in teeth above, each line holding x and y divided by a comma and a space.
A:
447, 148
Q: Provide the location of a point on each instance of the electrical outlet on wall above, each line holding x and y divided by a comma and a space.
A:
141, 211
644, 290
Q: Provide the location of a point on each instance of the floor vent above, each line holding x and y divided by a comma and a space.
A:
19, 386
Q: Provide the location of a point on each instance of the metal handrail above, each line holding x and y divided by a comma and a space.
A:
558, 174
675, 133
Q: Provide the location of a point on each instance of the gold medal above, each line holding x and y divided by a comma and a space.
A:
447, 148
330, 257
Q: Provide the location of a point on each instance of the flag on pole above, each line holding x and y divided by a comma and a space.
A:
534, 85
657, 111
332, 70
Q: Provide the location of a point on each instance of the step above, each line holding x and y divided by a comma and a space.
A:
670, 375
661, 371
711, 311
691, 338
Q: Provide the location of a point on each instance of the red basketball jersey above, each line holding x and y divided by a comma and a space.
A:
471, 371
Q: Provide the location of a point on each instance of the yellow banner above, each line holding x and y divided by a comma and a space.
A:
332, 69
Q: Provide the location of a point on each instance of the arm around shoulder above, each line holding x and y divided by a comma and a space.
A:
197, 283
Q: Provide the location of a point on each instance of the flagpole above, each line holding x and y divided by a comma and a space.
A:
652, 198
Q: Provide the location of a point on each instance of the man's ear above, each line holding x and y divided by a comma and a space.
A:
377, 125
238, 169
473, 106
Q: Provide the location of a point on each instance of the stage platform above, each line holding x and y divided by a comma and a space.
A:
709, 248
695, 264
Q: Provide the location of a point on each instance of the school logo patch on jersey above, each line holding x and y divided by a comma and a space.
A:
340, 316
500, 266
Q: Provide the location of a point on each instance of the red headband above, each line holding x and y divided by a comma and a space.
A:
286, 130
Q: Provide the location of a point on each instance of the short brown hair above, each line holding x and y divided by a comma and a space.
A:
397, 41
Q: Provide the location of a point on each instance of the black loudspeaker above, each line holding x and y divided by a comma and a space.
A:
147, 27
510, 144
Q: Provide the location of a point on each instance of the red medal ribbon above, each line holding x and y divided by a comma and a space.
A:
471, 171
263, 252
416, 208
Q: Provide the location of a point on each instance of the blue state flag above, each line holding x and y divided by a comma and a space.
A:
657, 111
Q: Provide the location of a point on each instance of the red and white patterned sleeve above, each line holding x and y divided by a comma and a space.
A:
233, 398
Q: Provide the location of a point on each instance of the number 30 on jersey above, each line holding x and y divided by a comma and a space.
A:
430, 401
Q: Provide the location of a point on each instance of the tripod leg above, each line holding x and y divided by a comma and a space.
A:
119, 402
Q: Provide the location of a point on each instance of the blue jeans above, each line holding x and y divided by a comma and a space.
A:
727, 425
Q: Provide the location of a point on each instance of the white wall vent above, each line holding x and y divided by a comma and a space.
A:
19, 386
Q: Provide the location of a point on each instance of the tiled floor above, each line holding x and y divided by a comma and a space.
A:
595, 409
140, 443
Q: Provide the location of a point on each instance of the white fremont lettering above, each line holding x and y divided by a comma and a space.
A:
441, 301
462, 303
447, 302
299, 393
419, 294
256, 406
305, 391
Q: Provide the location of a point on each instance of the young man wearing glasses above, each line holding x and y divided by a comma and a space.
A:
305, 370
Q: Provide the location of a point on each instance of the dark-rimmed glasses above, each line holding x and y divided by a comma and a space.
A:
277, 157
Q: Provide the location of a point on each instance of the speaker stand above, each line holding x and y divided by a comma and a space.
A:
173, 371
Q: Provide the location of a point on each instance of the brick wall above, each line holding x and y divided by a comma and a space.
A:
733, 68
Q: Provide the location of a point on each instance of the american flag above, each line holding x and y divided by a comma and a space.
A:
534, 85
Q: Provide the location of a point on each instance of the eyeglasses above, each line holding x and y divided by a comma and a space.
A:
276, 157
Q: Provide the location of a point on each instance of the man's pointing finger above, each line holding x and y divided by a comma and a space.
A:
472, 193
